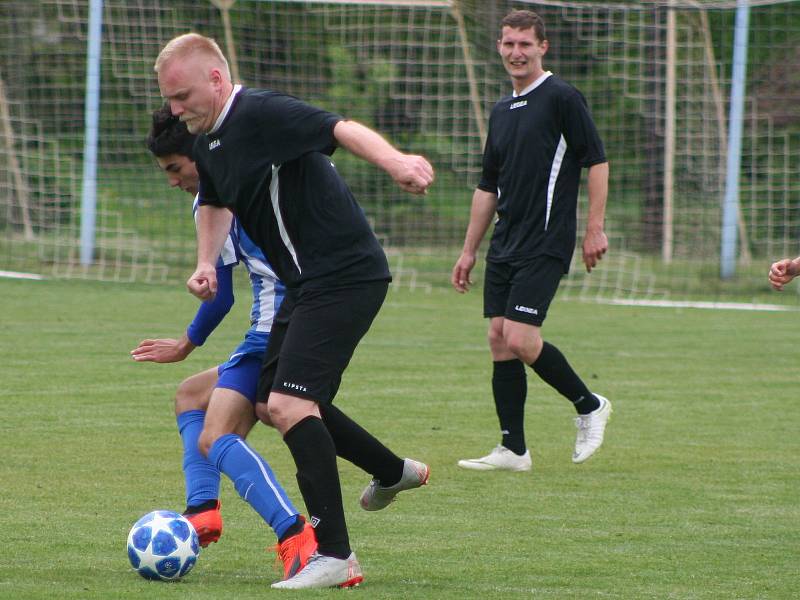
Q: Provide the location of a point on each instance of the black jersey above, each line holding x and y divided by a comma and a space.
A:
536, 146
269, 162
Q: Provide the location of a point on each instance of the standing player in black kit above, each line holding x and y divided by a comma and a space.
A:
539, 139
265, 156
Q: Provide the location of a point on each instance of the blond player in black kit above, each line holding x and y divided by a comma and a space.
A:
264, 156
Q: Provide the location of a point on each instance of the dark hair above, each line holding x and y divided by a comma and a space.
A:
524, 19
168, 135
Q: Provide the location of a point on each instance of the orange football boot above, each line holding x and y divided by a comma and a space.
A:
295, 551
207, 524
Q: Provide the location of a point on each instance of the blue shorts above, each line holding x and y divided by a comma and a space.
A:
240, 372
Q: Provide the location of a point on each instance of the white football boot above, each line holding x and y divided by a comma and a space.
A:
324, 572
499, 459
591, 428
375, 496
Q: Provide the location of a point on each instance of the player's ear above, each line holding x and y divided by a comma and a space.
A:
545, 46
215, 77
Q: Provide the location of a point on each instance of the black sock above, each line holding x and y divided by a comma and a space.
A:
554, 370
318, 478
510, 386
294, 529
198, 508
357, 445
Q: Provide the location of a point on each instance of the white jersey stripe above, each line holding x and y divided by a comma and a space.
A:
258, 266
228, 253
267, 290
264, 296
273, 193
266, 304
561, 150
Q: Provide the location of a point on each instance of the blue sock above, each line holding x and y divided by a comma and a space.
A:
254, 481
202, 477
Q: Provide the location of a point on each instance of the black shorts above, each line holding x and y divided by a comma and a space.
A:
521, 291
314, 336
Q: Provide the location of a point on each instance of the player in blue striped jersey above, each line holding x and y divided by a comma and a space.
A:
217, 404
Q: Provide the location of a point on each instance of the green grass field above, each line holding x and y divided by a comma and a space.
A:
694, 495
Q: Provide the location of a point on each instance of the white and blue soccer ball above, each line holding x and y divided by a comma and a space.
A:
163, 545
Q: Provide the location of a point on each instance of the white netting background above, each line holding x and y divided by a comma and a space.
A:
425, 74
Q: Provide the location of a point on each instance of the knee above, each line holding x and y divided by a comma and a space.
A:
262, 413
497, 342
495, 339
516, 344
274, 411
285, 411
206, 440
186, 398
525, 347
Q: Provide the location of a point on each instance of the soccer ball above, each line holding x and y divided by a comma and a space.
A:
163, 545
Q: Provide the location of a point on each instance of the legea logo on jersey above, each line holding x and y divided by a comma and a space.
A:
519, 104
526, 309
214, 144
294, 386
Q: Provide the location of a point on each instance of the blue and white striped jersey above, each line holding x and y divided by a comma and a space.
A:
268, 290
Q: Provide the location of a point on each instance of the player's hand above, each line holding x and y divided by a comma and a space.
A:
595, 245
413, 173
460, 276
781, 273
203, 282
162, 350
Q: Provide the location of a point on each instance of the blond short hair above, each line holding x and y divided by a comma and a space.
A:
190, 44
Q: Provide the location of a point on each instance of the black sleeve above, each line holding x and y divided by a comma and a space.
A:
291, 127
206, 193
490, 169
580, 131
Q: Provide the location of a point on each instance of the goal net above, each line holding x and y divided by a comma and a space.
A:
657, 76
